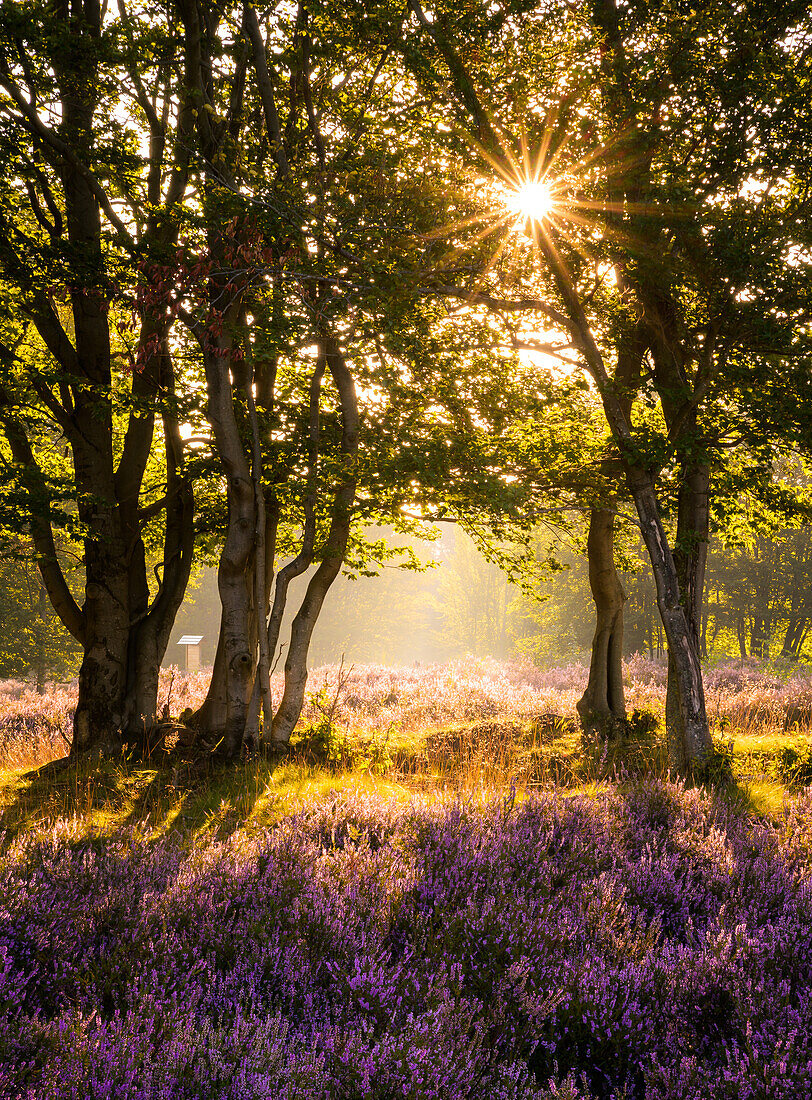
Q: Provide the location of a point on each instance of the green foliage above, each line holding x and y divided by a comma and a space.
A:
33, 645
716, 766
793, 763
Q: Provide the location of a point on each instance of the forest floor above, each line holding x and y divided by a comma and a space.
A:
439, 892
469, 728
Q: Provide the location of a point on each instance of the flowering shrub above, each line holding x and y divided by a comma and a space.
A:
34, 728
647, 943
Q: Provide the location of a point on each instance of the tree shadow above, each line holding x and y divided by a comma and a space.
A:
167, 791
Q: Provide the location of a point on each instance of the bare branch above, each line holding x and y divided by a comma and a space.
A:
265, 87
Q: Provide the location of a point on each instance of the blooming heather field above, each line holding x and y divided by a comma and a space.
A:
627, 941
647, 942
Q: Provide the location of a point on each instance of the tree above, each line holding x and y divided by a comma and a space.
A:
312, 268
647, 143
82, 362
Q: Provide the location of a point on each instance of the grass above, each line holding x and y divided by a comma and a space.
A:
465, 760
460, 730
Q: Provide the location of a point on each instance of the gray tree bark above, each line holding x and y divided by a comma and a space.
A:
690, 558
682, 643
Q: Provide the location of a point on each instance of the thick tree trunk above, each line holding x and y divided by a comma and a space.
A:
690, 559
210, 717
234, 579
602, 707
97, 722
99, 711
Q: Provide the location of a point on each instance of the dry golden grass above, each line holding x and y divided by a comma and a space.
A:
465, 730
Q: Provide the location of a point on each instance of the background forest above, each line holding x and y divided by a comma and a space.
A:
758, 605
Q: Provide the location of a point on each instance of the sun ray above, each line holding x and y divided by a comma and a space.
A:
495, 218
493, 227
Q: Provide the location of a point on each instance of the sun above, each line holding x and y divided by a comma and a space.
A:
532, 201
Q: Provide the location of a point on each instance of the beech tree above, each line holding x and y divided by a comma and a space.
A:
648, 129
82, 364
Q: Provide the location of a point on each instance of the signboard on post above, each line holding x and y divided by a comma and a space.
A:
191, 642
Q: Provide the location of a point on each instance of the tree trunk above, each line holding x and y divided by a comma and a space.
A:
290, 707
234, 579
690, 560
97, 721
760, 638
679, 636
99, 711
683, 650
741, 636
40, 628
794, 637
603, 707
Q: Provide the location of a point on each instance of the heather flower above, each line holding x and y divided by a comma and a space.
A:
646, 943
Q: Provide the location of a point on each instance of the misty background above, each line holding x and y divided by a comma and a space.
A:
758, 604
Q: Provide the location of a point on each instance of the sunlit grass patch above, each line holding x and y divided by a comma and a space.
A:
468, 760
458, 729
766, 798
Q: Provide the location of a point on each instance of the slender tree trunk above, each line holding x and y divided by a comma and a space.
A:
681, 640
793, 639
40, 628
683, 648
603, 707
290, 707
741, 635
760, 638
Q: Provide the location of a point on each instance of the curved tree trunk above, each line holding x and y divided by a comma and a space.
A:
602, 707
219, 718
688, 693
290, 707
682, 643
